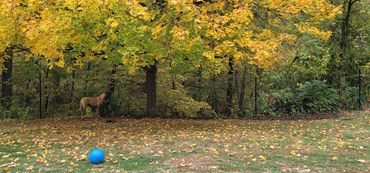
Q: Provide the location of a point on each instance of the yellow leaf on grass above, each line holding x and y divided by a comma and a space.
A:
263, 157
293, 152
5, 168
361, 160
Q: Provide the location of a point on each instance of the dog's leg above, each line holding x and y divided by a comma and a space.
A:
82, 108
97, 111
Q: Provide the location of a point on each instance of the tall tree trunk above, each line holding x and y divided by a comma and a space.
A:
72, 87
111, 89
129, 101
46, 90
198, 74
347, 6
173, 84
359, 88
213, 96
151, 90
40, 95
230, 89
256, 90
7, 87
87, 80
28, 97
240, 89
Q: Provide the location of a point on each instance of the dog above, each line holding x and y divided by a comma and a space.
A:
92, 101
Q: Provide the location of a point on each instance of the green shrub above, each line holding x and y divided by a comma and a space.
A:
316, 96
106, 110
351, 98
176, 103
15, 112
311, 97
284, 101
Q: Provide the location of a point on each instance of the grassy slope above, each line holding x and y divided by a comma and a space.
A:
157, 145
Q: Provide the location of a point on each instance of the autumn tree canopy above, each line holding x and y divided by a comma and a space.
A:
201, 53
135, 33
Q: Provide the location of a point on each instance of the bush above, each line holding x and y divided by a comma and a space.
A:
106, 110
177, 103
316, 96
311, 97
15, 112
284, 101
351, 98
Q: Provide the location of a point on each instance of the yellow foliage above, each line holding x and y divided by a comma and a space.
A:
209, 54
239, 55
158, 30
306, 28
139, 11
225, 28
2, 59
226, 47
112, 22
179, 33
60, 63
7, 24
79, 63
242, 15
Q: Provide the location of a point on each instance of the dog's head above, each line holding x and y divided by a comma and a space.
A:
103, 95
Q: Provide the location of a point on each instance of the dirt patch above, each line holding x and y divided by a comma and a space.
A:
193, 163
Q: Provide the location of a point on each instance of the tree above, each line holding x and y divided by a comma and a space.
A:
257, 31
346, 11
120, 32
11, 17
208, 37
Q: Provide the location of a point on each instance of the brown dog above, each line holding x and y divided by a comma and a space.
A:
92, 101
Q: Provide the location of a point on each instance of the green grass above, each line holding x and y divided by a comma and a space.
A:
157, 145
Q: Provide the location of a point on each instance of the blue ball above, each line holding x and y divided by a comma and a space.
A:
96, 156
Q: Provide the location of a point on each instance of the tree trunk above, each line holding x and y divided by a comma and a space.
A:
213, 96
110, 91
199, 84
256, 90
359, 88
151, 90
230, 90
87, 80
241, 85
46, 90
129, 101
72, 86
347, 6
40, 95
7, 87
173, 84
28, 97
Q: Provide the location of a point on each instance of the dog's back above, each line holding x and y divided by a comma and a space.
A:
92, 101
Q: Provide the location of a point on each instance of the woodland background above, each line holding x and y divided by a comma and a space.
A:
184, 59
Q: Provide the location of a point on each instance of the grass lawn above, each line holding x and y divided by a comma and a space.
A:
170, 145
